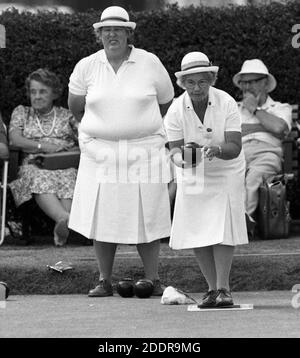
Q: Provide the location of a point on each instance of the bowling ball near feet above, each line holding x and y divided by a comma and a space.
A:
191, 153
143, 288
6, 288
125, 287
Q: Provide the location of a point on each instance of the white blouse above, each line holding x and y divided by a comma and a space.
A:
122, 105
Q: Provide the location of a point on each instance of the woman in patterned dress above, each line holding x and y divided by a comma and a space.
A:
44, 128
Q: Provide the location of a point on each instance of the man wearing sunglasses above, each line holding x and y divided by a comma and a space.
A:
265, 123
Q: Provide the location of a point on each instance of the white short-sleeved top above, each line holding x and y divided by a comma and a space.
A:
278, 109
181, 121
122, 105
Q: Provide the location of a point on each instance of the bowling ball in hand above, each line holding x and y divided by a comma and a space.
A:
191, 153
6, 288
125, 287
143, 288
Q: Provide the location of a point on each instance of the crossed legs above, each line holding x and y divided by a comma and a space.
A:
59, 211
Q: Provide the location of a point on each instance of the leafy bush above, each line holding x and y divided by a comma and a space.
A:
227, 35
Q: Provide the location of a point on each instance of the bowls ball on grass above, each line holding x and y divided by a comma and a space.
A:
125, 287
143, 288
5, 288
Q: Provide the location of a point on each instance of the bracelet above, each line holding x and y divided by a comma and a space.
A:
257, 109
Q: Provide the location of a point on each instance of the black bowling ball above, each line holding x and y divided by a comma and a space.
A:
125, 287
143, 288
6, 288
191, 153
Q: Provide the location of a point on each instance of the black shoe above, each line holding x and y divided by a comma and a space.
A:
104, 289
224, 298
209, 299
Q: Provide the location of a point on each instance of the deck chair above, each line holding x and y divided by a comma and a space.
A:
3, 197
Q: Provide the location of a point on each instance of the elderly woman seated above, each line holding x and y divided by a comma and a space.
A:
39, 128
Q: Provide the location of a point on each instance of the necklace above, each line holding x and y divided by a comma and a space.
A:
40, 125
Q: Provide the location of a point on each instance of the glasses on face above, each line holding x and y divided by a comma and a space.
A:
117, 30
251, 82
192, 84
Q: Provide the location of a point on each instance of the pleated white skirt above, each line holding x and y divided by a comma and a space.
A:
119, 212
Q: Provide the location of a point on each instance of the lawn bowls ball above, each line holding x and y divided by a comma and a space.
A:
143, 288
4, 288
125, 287
191, 153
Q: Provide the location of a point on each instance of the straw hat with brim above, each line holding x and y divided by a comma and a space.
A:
195, 62
255, 67
115, 16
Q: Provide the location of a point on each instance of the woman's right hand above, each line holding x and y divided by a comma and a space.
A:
178, 161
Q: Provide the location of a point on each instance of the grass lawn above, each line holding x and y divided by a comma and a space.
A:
261, 265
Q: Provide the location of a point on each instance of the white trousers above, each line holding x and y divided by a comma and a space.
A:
262, 161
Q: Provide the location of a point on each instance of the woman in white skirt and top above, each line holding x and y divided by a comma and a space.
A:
119, 94
209, 214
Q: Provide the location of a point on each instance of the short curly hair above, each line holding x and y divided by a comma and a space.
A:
46, 77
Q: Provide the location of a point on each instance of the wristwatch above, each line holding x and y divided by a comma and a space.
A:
257, 109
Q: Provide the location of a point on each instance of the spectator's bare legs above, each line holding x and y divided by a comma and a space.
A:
223, 255
105, 253
149, 253
206, 262
52, 206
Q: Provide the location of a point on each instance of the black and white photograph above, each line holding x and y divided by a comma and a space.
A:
150, 176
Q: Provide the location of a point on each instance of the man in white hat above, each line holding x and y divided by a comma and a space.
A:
264, 124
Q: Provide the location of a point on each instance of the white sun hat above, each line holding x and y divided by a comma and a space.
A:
255, 66
195, 62
114, 16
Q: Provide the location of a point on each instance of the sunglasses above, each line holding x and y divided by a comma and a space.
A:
251, 82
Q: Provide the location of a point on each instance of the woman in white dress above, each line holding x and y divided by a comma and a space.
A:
209, 214
119, 94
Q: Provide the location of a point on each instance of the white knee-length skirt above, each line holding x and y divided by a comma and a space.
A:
132, 211
209, 206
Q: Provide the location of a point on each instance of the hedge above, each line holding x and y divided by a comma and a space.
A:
228, 35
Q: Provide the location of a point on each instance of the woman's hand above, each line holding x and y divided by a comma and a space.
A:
178, 161
212, 151
52, 148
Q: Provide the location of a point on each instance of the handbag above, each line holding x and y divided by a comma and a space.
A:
55, 161
274, 208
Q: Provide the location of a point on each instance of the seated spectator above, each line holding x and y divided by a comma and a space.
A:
265, 123
4, 154
43, 127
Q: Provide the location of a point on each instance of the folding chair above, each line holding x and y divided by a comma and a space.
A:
3, 197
